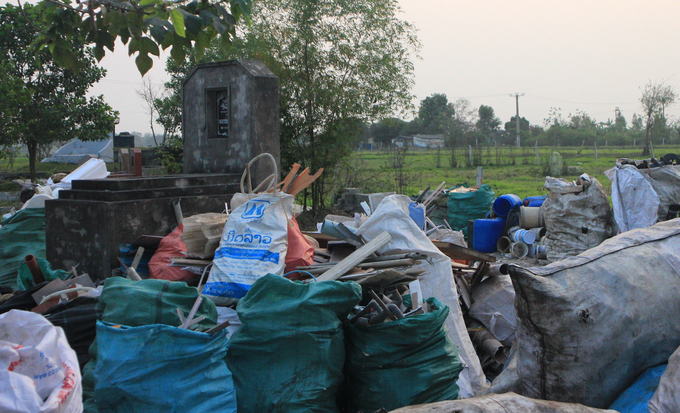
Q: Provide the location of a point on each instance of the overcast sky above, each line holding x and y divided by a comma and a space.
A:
579, 54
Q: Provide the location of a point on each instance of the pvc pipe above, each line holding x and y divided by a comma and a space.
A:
542, 252
496, 270
503, 245
531, 217
519, 249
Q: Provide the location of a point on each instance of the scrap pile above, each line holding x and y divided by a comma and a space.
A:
387, 310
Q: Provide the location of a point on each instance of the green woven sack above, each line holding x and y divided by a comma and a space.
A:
140, 303
21, 234
25, 278
288, 355
402, 363
464, 206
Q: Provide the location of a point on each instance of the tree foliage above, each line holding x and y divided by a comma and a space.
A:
339, 63
654, 99
488, 121
436, 114
145, 26
387, 129
45, 103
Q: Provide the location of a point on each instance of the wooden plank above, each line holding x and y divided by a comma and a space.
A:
434, 194
461, 253
296, 188
356, 257
477, 276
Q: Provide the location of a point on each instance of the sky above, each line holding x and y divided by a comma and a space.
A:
591, 56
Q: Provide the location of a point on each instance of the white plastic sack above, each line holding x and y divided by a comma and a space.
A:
666, 182
253, 244
589, 325
493, 304
577, 217
39, 371
392, 216
500, 403
634, 200
666, 399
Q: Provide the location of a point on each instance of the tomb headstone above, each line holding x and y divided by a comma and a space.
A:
230, 115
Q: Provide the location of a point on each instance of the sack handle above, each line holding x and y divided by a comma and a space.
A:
272, 179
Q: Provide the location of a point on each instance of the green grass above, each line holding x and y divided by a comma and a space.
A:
20, 165
512, 170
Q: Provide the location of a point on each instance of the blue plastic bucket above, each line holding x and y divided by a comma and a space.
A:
534, 201
523, 235
486, 233
506, 203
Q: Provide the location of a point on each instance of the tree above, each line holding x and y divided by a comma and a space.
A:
339, 63
387, 129
150, 94
488, 121
51, 105
655, 98
436, 114
636, 122
619, 121
144, 26
511, 126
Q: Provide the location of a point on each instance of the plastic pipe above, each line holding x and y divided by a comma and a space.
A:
503, 245
33, 267
519, 249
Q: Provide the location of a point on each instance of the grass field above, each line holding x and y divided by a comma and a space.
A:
508, 170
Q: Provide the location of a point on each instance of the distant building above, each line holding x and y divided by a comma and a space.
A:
403, 141
428, 141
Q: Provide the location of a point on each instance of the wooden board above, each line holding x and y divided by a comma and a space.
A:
356, 257
461, 253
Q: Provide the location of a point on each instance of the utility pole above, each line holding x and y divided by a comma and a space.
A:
517, 95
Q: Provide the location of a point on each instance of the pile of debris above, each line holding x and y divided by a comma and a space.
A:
388, 310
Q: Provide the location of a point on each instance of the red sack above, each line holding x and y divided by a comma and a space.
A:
300, 251
170, 247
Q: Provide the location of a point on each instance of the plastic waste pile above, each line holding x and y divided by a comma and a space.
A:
386, 310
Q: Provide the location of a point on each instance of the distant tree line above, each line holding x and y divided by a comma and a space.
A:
462, 125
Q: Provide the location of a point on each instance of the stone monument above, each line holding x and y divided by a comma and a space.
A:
230, 115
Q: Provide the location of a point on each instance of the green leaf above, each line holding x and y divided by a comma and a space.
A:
207, 16
178, 53
193, 23
202, 40
144, 63
99, 53
159, 33
219, 26
177, 20
149, 2
65, 58
143, 45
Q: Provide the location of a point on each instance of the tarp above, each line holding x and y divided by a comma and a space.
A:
21, 234
637, 396
634, 201
73, 151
